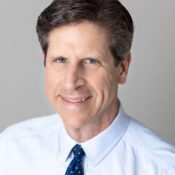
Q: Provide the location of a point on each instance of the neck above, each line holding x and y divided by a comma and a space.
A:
94, 128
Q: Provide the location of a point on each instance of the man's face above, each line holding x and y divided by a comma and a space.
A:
81, 79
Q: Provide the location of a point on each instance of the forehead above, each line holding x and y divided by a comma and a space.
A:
82, 37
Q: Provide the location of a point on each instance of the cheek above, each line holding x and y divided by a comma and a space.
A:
109, 86
104, 84
50, 82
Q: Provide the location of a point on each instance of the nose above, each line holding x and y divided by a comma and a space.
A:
74, 77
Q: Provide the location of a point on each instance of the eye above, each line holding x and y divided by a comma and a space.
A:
61, 60
91, 61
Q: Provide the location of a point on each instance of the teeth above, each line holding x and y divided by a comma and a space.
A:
75, 101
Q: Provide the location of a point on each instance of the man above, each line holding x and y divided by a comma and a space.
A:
86, 48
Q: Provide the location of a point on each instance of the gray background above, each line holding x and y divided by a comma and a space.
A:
148, 95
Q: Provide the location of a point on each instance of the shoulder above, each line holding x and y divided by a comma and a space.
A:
30, 135
150, 145
32, 127
29, 140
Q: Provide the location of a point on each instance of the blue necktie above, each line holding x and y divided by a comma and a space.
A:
75, 167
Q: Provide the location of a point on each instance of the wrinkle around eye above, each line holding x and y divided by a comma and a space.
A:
92, 62
61, 60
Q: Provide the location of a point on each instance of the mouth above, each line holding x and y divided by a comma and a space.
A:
75, 100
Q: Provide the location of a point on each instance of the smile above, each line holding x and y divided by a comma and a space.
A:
76, 100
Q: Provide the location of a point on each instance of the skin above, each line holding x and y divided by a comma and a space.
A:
81, 79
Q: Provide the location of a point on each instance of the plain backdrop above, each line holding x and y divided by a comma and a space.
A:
148, 95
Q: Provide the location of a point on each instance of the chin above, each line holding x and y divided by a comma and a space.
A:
73, 125
74, 122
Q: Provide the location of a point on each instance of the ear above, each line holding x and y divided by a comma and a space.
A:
43, 55
123, 69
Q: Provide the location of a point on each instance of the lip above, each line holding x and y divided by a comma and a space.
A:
75, 101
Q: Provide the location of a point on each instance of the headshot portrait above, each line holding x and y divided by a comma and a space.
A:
87, 87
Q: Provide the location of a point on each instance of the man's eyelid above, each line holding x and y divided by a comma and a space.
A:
60, 57
90, 58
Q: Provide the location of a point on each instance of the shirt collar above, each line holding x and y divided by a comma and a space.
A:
66, 143
99, 146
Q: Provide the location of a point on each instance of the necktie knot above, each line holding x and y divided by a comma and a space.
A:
78, 151
75, 167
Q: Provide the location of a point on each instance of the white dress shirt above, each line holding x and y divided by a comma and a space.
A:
41, 146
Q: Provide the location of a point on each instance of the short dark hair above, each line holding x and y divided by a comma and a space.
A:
109, 14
